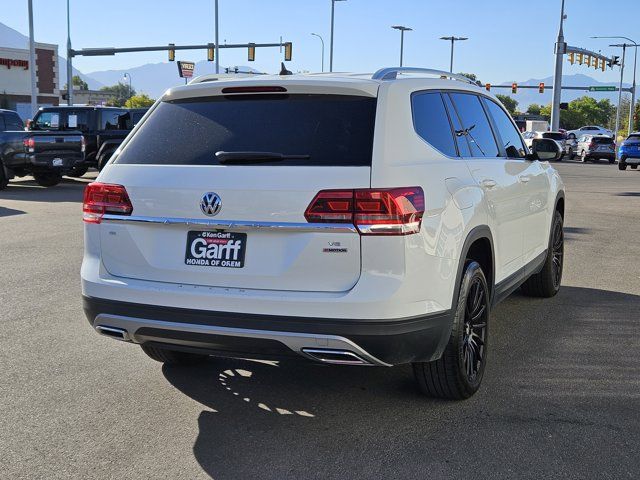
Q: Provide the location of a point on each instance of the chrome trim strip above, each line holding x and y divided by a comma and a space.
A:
295, 341
234, 224
391, 73
317, 355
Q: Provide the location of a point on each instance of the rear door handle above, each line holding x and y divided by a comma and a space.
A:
488, 183
524, 178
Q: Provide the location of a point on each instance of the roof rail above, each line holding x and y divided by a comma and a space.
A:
392, 73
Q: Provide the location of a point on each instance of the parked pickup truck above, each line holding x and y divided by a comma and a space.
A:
103, 129
45, 155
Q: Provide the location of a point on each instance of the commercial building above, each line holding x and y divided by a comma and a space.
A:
15, 78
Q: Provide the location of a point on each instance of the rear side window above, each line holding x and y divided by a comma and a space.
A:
115, 120
13, 121
432, 123
77, 120
475, 125
553, 135
508, 133
461, 140
333, 130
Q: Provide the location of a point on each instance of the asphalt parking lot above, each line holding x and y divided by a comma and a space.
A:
560, 398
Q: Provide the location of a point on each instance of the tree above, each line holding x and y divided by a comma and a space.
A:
472, 77
76, 81
139, 101
509, 103
534, 109
121, 92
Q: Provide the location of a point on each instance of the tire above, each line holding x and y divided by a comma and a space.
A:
78, 171
47, 178
172, 357
622, 166
546, 283
612, 160
633, 167
583, 157
457, 374
4, 180
572, 155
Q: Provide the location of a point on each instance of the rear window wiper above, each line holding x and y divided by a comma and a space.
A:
256, 157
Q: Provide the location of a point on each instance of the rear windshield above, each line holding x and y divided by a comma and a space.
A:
602, 140
633, 138
333, 130
554, 135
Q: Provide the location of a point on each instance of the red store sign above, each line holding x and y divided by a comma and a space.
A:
10, 62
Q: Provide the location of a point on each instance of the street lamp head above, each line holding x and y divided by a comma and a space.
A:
454, 39
402, 28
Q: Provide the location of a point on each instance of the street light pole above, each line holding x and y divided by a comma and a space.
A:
69, 65
322, 41
453, 39
127, 75
561, 48
615, 135
217, 50
633, 87
32, 62
402, 29
333, 7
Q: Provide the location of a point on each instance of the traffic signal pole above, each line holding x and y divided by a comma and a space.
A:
561, 48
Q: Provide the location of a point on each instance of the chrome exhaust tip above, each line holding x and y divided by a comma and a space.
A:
336, 357
114, 332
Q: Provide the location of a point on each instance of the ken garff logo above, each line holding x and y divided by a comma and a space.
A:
210, 204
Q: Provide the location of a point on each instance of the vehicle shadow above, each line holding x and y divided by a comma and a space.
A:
561, 370
10, 212
69, 190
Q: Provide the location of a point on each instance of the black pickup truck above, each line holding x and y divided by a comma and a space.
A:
103, 128
45, 155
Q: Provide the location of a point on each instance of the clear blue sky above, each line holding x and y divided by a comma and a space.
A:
509, 39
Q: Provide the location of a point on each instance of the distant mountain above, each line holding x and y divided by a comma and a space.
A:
10, 38
525, 97
155, 78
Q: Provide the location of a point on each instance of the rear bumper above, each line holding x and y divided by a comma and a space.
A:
63, 161
596, 154
377, 342
630, 160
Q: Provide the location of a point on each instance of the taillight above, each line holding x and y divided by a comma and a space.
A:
83, 145
388, 211
104, 198
29, 144
592, 146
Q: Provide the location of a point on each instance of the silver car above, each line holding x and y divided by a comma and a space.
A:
593, 147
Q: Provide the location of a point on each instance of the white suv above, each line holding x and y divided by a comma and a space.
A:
348, 219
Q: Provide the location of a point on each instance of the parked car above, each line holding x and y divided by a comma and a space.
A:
45, 155
558, 137
593, 147
629, 152
359, 220
591, 130
103, 129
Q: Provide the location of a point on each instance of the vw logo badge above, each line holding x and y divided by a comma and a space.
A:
210, 204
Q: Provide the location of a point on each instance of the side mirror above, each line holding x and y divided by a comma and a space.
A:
545, 149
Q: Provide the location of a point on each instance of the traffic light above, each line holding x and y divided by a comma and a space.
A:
172, 52
541, 86
571, 58
252, 52
488, 87
587, 60
564, 106
514, 87
580, 58
614, 61
211, 52
596, 63
288, 47
604, 65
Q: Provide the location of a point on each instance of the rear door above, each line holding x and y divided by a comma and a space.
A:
498, 177
241, 224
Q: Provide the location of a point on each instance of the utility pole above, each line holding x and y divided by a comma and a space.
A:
561, 48
333, 7
69, 65
32, 63
216, 40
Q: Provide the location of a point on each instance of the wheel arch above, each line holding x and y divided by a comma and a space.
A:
479, 246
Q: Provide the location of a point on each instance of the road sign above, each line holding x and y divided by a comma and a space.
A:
603, 89
186, 69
